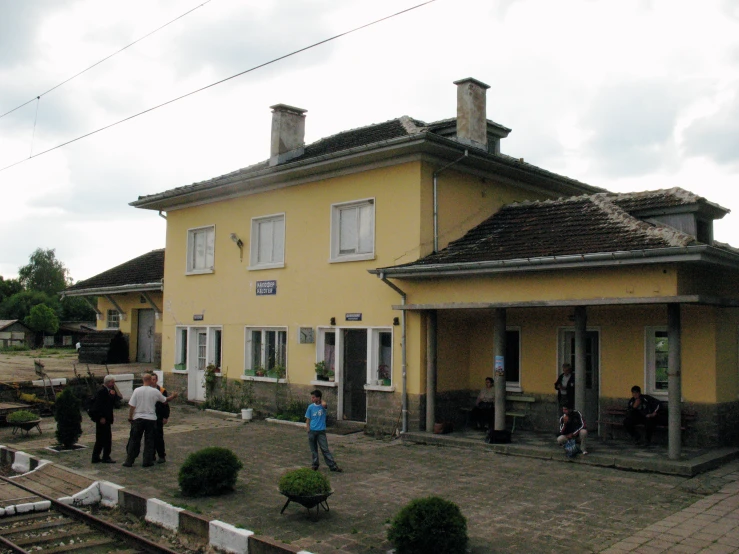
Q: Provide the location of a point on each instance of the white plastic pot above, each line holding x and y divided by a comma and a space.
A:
247, 414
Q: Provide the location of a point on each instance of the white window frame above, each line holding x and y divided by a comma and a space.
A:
650, 361
248, 330
279, 259
210, 243
321, 349
336, 209
113, 320
374, 355
188, 352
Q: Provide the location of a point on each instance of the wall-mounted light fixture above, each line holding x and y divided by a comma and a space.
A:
396, 321
333, 321
240, 244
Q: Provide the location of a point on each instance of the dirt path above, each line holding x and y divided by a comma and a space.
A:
18, 366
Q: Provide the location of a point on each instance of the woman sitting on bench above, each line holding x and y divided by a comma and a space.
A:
483, 412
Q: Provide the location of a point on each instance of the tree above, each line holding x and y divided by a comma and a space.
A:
68, 418
42, 319
44, 273
75, 308
9, 287
19, 305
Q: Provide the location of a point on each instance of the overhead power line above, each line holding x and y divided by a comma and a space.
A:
38, 96
275, 60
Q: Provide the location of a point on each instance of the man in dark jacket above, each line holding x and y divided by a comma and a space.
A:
642, 409
162, 411
572, 426
565, 386
101, 413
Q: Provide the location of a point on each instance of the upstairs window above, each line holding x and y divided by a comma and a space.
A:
267, 242
113, 319
353, 231
201, 249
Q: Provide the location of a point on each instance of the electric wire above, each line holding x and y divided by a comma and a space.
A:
275, 60
35, 118
104, 59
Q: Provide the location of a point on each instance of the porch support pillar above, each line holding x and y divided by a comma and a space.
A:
674, 382
581, 322
431, 370
499, 367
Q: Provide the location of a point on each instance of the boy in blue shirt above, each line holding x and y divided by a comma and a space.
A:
315, 424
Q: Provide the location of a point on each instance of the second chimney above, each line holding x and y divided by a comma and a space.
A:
472, 125
288, 133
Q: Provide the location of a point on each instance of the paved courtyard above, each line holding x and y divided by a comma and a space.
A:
512, 503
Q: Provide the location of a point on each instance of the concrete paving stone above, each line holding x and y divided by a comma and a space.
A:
719, 549
695, 543
683, 549
729, 541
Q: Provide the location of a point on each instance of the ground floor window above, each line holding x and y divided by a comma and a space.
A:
326, 350
513, 359
656, 360
113, 318
381, 369
266, 352
201, 345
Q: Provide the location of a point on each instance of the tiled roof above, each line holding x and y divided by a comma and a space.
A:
145, 269
8, 322
573, 226
371, 135
650, 200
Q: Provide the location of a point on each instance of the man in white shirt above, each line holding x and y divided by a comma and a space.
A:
143, 418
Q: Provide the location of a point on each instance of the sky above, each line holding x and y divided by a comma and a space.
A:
629, 95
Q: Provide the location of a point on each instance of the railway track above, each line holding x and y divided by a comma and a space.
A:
67, 529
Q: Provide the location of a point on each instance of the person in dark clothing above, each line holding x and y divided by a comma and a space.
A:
162, 411
572, 426
565, 385
642, 409
101, 412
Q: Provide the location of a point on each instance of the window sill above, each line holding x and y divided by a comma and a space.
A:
324, 383
513, 388
199, 271
352, 258
265, 266
262, 379
180, 371
380, 388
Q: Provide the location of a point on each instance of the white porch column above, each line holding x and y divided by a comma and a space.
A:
581, 321
431, 370
674, 382
499, 368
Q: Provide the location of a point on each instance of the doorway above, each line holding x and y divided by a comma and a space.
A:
354, 370
592, 369
145, 337
197, 360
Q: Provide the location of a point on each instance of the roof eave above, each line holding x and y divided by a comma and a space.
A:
118, 289
701, 253
315, 168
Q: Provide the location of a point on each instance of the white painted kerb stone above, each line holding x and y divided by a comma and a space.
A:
88, 496
109, 494
161, 513
22, 463
228, 538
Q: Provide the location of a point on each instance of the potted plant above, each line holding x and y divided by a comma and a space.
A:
331, 375
259, 371
321, 371
383, 374
307, 487
24, 420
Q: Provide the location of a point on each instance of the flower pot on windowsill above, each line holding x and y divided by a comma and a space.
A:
249, 372
321, 377
180, 367
386, 382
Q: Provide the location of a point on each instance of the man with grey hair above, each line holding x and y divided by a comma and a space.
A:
101, 412
143, 419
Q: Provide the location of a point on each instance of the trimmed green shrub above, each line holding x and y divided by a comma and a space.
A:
21, 416
212, 470
68, 418
304, 482
427, 526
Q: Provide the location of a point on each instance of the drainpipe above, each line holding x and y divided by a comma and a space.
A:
403, 297
436, 199
162, 216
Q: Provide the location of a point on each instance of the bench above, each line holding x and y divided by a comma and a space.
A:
614, 417
513, 413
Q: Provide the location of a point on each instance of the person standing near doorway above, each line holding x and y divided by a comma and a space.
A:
565, 386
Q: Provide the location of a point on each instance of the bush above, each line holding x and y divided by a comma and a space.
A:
21, 416
68, 418
212, 470
304, 482
429, 525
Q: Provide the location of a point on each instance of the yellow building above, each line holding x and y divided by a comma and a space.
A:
269, 275
128, 298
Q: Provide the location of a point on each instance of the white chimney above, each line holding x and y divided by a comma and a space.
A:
472, 126
288, 133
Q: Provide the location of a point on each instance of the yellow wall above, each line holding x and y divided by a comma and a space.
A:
130, 303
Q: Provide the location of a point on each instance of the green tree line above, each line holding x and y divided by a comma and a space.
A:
34, 297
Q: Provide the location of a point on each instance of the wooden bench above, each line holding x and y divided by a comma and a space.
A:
614, 417
516, 414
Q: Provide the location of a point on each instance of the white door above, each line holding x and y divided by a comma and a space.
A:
196, 365
145, 337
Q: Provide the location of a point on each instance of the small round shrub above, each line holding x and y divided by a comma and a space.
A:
428, 526
304, 482
21, 416
212, 470
68, 418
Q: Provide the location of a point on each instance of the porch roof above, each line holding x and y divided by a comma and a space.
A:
144, 273
697, 299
